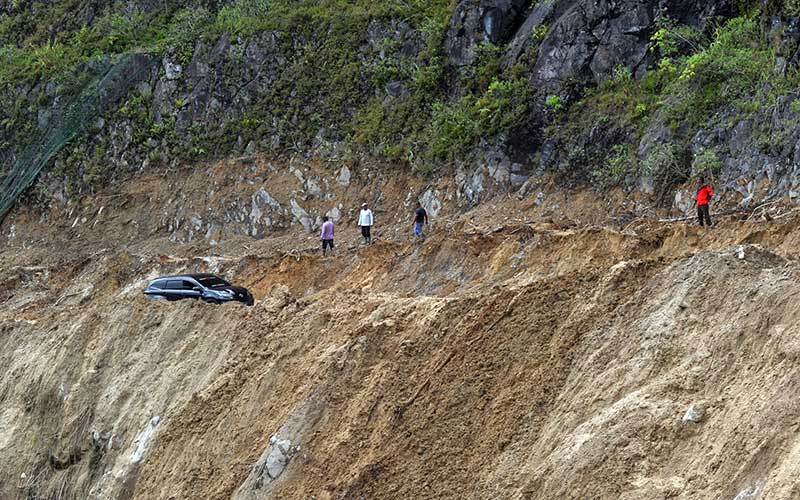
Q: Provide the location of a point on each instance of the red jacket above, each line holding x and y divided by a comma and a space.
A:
703, 195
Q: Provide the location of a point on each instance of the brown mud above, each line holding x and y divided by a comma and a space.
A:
516, 353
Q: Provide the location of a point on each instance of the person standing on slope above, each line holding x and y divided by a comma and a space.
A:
326, 235
365, 220
420, 219
701, 199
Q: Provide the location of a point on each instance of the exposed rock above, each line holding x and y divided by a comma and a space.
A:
470, 186
142, 441
540, 14
302, 216
518, 180
43, 118
279, 297
647, 184
172, 70
344, 176
499, 166
584, 38
693, 414
751, 492
261, 202
196, 221
298, 174
396, 89
482, 21
335, 213
283, 446
683, 200
430, 202
591, 38
313, 188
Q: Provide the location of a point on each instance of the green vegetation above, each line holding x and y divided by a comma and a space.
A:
456, 128
792, 7
706, 162
616, 169
723, 72
324, 84
696, 75
347, 75
331, 67
554, 102
665, 166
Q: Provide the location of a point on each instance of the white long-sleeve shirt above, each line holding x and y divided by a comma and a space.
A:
365, 217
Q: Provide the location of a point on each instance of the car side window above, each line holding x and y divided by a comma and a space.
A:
188, 285
174, 285
160, 284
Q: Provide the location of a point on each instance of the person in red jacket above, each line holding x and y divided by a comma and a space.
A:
701, 199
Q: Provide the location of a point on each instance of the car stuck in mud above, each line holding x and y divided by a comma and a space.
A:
206, 287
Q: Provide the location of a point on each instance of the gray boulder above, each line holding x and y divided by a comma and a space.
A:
302, 216
482, 21
344, 177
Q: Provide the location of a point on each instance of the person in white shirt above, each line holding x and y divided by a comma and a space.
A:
365, 221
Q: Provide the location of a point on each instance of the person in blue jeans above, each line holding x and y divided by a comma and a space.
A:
420, 219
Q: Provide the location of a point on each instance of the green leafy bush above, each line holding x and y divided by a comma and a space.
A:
706, 162
791, 7
554, 102
487, 63
454, 128
664, 164
672, 39
620, 163
724, 72
248, 16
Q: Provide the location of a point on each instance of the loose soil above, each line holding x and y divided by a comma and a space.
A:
520, 352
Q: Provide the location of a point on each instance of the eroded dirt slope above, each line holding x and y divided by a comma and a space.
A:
500, 359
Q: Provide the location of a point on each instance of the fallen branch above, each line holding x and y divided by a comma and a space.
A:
634, 221
785, 213
762, 205
691, 217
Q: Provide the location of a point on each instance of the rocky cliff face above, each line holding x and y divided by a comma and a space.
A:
574, 38
522, 89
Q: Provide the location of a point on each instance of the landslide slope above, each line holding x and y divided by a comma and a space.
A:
508, 360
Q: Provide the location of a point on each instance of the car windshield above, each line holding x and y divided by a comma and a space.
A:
213, 282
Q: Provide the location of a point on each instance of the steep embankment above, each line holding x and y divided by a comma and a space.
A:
497, 360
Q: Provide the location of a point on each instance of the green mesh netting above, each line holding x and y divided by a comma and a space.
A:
112, 83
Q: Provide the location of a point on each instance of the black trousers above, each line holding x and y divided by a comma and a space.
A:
365, 232
703, 213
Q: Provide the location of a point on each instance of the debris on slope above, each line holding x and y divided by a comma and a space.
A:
282, 448
513, 360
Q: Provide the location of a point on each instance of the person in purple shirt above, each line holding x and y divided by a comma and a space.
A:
326, 235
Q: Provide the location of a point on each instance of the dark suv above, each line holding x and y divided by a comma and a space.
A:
208, 287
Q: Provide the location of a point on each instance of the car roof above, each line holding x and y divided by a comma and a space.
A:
193, 275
